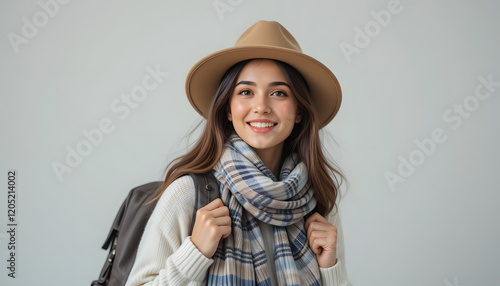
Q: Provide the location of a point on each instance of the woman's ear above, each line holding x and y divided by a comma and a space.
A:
298, 118
228, 111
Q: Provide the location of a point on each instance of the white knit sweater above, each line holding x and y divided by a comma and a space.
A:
166, 255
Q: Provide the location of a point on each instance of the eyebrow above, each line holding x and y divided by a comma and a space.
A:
274, 83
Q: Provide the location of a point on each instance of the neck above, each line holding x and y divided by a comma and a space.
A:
271, 158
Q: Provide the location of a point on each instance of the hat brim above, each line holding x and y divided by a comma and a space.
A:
205, 76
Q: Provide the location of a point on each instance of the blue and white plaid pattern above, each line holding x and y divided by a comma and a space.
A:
252, 192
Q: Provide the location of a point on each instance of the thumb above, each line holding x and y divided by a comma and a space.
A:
316, 249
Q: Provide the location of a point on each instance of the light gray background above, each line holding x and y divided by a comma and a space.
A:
438, 227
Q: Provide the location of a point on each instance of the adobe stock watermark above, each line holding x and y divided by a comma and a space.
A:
120, 107
363, 37
223, 6
30, 27
454, 116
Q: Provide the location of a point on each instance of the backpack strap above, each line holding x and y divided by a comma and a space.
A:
206, 190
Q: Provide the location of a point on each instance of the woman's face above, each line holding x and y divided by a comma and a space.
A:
262, 107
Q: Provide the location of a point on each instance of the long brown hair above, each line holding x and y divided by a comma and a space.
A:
304, 139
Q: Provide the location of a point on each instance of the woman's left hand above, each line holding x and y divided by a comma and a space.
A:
322, 237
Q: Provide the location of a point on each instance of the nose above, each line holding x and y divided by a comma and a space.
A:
261, 104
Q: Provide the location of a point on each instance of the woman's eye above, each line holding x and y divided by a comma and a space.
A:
245, 92
279, 93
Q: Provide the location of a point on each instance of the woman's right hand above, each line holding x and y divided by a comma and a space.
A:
211, 225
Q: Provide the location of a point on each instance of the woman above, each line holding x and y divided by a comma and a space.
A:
264, 101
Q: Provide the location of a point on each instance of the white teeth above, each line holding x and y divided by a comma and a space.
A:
261, 124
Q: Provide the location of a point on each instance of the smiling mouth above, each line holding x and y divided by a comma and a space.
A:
262, 124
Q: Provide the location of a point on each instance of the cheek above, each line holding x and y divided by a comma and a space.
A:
289, 111
237, 109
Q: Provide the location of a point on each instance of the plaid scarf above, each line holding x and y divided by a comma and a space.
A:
252, 192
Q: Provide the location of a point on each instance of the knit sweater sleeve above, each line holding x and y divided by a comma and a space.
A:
166, 255
336, 275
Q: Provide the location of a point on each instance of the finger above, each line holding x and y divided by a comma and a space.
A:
314, 234
308, 222
222, 221
317, 234
314, 247
321, 226
326, 242
217, 203
226, 231
220, 212
208, 219
318, 244
329, 237
216, 232
314, 217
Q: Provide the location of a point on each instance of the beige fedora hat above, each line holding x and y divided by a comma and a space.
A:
268, 40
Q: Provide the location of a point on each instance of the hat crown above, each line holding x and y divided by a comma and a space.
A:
268, 33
